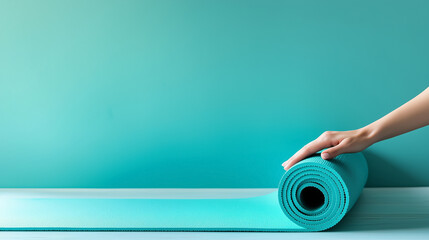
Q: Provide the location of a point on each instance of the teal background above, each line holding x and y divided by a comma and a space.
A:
200, 93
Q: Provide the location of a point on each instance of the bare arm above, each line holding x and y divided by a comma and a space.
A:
410, 116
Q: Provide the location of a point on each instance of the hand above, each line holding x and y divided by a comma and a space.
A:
337, 142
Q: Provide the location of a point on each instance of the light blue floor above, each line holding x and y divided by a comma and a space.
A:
381, 213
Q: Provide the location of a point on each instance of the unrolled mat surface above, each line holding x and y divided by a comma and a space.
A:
313, 195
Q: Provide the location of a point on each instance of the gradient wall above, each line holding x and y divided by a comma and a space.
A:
201, 93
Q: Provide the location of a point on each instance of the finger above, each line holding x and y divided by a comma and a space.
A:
335, 151
306, 151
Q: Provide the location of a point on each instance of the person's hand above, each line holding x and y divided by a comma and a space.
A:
412, 115
337, 142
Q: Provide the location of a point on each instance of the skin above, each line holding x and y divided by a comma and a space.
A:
412, 115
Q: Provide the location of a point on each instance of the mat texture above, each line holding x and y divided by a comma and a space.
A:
313, 195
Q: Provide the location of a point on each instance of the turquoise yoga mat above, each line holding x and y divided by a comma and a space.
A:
313, 195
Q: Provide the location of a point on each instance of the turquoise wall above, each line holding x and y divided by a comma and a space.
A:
201, 93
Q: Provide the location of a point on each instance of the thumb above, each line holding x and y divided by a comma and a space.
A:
334, 151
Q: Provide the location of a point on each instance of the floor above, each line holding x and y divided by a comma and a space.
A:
381, 213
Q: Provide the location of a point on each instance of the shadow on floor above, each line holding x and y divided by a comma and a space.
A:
388, 208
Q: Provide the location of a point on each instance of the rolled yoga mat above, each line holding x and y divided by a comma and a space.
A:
313, 195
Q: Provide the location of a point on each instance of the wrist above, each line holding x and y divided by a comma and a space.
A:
370, 133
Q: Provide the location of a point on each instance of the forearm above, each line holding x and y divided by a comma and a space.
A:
411, 115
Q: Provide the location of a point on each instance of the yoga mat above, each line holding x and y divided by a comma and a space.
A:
313, 195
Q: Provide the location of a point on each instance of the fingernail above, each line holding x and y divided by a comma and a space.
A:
286, 167
325, 155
